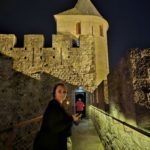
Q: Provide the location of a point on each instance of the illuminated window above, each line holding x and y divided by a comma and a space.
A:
78, 28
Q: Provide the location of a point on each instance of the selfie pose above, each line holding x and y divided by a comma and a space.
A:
56, 126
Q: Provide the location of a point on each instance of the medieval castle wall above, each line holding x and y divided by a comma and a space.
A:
74, 65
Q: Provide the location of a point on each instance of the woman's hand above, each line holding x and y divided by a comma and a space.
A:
76, 117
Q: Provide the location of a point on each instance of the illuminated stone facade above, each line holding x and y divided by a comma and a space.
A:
79, 53
117, 135
78, 57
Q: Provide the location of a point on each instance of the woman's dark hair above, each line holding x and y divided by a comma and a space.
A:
55, 87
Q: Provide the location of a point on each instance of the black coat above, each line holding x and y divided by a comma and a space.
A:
55, 128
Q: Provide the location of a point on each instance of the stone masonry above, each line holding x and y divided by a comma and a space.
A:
129, 87
116, 135
78, 57
23, 98
73, 65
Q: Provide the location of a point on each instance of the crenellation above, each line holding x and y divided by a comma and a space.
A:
7, 41
76, 62
86, 39
76, 51
33, 41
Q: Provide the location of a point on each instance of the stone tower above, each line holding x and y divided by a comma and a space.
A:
84, 19
79, 52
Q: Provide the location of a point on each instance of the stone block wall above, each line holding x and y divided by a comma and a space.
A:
129, 87
23, 98
75, 65
116, 135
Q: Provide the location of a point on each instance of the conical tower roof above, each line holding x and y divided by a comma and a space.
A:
82, 7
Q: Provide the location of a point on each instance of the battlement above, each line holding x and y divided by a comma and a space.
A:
63, 60
30, 41
8, 41
34, 41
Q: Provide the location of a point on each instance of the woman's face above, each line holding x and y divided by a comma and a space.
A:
60, 93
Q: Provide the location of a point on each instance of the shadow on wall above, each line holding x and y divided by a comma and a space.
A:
23, 98
128, 89
128, 101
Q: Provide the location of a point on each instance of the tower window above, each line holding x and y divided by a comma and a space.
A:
101, 30
78, 28
76, 43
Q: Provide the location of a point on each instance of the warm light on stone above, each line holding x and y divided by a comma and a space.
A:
85, 63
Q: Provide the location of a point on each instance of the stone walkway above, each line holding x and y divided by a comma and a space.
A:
85, 137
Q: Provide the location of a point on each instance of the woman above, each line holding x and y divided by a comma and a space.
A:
79, 106
56, 124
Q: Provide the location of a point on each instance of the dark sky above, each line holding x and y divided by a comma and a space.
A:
129, 21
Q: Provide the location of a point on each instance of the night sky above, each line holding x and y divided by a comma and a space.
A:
129, 21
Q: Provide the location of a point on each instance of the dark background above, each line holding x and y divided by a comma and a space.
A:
129, 21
